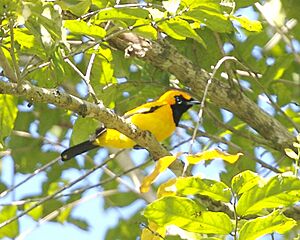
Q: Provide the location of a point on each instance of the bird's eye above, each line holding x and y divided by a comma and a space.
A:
178, 99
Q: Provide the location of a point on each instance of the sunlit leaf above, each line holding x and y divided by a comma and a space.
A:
11, 230
122, 14
167, 189
102, 72
210, 14
279, 191
249, 25
244, 181
64, 214
100, 3
36, 213
274, 222
188, 215
25, 39
153, 232
211, 188
144, 28
81, 27
8, 114
180, 29
212, 154
291, 154
195, 185
161, 165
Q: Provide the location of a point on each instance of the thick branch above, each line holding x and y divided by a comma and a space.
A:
166, 57
84, 108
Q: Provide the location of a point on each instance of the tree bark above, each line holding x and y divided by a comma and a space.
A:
166, 57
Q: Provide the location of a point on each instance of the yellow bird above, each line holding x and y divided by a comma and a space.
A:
160, 117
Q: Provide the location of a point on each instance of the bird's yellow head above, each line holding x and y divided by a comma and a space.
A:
171, 96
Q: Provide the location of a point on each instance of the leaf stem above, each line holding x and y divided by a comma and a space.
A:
12, 51
236, 218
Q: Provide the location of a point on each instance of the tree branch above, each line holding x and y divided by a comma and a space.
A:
166, 57
88, 109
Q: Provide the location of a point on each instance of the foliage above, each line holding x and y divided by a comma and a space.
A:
70, 46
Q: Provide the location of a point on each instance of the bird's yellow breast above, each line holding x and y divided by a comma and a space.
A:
158, 121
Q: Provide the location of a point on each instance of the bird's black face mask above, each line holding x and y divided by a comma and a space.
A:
181, 106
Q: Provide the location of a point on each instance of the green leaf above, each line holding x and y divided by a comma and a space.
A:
180, 30
24, 38
192, 4
244, 181
274, 222
276, 71
211, 188
81, 27
8, 114
120, 199
83, 129
249, 25
244, 3
210, 14
188, 215
279, 191
64, 214
27, 154
143, 28
102, 72
51, 76
81, 223
100, 3
123, 230
77, 7
36, 213
11, 230
122, 14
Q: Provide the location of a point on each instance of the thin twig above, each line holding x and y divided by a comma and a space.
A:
209, 81
27, 65
281, 31
56, 212
91, 45
37, 171
247, 135
82, 190
231, 144
236, 218
88, 76
28, 135
105, 181
274, 104
45, 199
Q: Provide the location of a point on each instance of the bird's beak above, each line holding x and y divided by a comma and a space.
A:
192, 102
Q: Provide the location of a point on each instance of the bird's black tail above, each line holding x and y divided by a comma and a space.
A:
77, 149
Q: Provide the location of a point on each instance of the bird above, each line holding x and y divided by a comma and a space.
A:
160, 117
